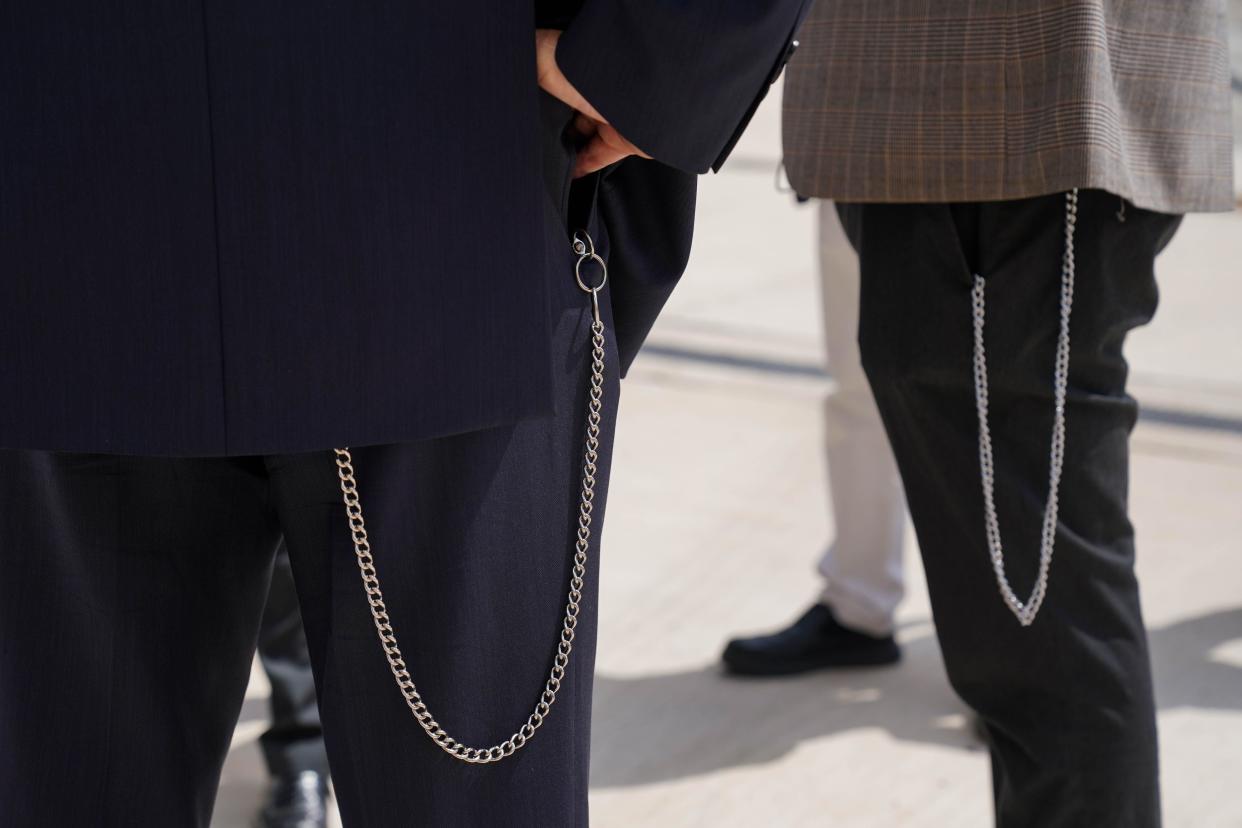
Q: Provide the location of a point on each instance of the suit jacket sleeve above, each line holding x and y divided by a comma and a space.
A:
679, 78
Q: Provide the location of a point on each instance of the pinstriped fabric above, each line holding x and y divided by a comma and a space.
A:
984, 100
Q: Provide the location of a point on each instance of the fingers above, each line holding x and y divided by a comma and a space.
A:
601, 144
595, 156
552, 80
603, 147
584, 127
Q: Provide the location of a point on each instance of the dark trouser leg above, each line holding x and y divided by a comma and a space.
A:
473, 537
294, 742
1068, 701
130, 594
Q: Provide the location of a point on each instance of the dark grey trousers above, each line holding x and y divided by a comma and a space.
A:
131, 591
1068, 701
294, 740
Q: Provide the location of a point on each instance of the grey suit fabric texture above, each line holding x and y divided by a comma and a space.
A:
922, 101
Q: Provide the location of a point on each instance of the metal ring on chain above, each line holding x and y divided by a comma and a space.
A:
585, 248
560, 661
1026, 611
591, 257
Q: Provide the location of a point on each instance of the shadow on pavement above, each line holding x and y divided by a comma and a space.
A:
1191, 670
663, 727
655, 728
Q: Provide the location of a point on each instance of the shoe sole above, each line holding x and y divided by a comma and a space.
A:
744, 667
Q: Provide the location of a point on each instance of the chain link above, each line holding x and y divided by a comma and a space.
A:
585, 249
1026, 611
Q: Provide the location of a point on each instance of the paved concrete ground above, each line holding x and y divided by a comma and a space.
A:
718, 511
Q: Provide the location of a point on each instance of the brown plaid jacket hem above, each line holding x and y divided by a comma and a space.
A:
901, 100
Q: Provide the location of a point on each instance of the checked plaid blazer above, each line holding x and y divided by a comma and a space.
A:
985, 100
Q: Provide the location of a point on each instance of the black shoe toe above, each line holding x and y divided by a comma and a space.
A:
815, 641
296, 801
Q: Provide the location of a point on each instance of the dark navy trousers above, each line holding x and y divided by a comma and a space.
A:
131, 591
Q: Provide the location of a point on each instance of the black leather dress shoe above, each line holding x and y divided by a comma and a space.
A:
815, 641
296, 801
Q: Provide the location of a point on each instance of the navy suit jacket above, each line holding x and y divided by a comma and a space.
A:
238, 227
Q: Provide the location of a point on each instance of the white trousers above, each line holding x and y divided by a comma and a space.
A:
863, 566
